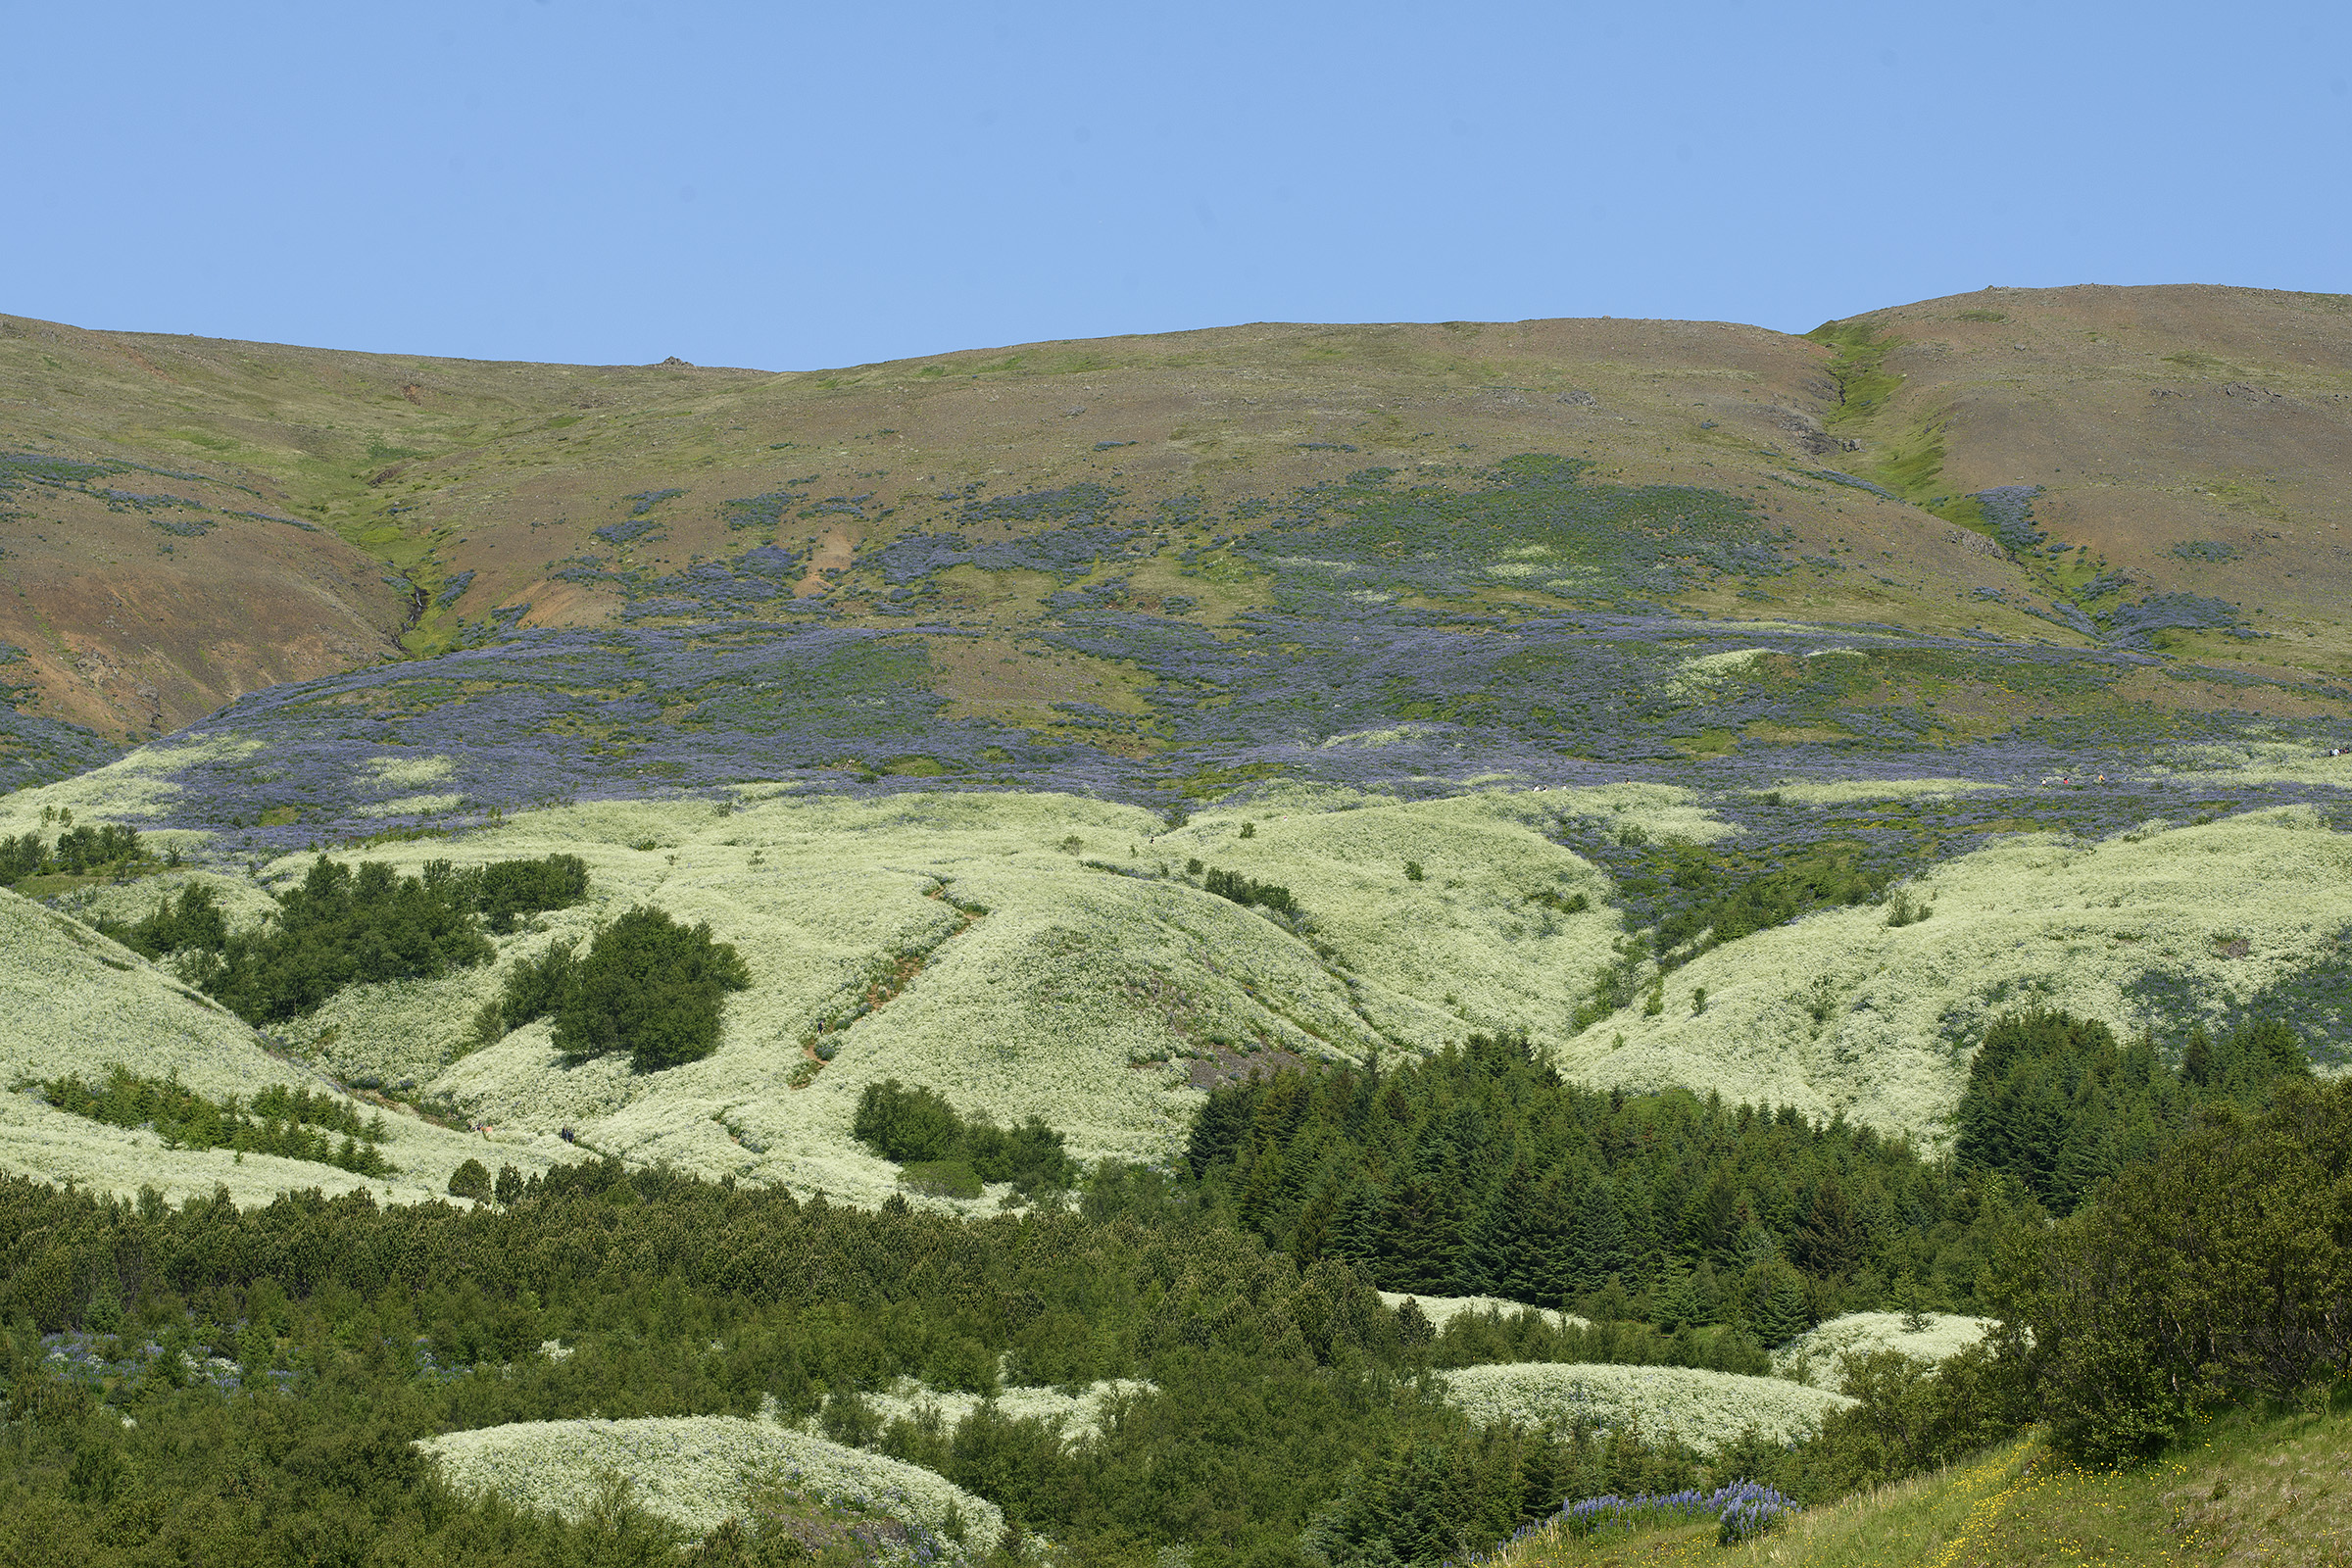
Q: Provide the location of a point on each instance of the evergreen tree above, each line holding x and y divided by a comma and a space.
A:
651, 987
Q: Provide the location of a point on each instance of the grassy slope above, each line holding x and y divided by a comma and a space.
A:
2272, 1489
1840, 1012
2191, 439
72, 1001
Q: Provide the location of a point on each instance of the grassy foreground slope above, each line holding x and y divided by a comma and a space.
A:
2252, 1488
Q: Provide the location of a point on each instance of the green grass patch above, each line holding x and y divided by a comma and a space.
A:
1859, 370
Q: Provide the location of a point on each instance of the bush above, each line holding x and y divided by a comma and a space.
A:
21, 858
2221, 1268
192, 922
952, 1154
292, 1122
651, 987
536, 987
906, 1125
504, 891
1912, 1415
471, 1180
1242, 889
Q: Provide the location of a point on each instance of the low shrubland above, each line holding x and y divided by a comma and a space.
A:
296, 1124
1709, 1411
1249, 1398
918, 1130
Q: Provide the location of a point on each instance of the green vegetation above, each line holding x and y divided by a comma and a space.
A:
1271, 1384
343, 927
82, 851
2053, 1100
1283, 1409
1859, 371
1703, 894
953, 1155
648, 986
1479, 1171
192, 921
2217, 1271
1244, 890
294, 1123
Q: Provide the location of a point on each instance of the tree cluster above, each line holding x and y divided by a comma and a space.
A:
76, 852
2055, 1102
2220, 1268
954, 1153
1478, 1171
649, 985
295, 1123
344, 927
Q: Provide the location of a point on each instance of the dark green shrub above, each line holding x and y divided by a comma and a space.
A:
906, 1125
471, 1180
918, 1129
1913, 1415
1242, 889
193, 921
536, 987
651, 987
292, 1122
341, 927
85, 849
2220, 1268
20, 856
504, 891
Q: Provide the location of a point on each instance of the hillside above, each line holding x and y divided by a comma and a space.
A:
1521, 655
1109, 524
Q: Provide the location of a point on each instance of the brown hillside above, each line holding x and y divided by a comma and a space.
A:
2195, 439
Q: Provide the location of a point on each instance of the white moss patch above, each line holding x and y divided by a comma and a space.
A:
1841, 791
1705, 1409
1819, 1356
1076, 1414
697, 1471
127, 790
396, 771
1441, 1309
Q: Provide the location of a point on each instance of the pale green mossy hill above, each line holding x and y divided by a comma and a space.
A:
1843, 1012
1051, 955
699, 1471
73, 1004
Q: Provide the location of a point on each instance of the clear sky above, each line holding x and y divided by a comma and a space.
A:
795, 186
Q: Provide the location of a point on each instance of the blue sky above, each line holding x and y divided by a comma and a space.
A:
803, 186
